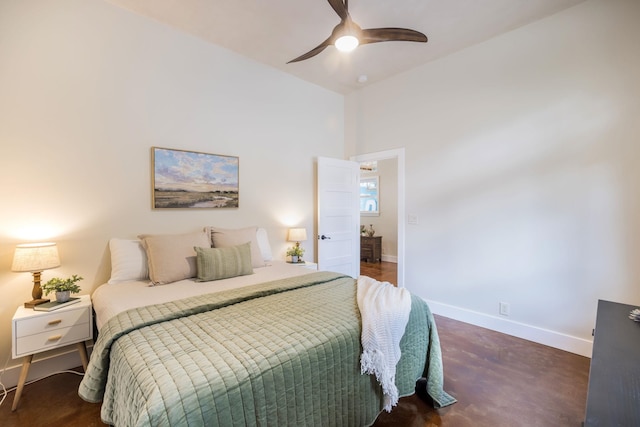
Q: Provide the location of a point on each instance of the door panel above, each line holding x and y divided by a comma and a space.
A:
339, 216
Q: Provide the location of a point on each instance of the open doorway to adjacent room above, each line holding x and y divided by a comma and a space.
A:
382, 210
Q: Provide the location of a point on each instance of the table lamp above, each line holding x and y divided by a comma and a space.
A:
34, 258
297, 235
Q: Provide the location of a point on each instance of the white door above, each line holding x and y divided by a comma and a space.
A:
339, 216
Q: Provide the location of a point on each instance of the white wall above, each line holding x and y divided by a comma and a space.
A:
522, 166
87, 88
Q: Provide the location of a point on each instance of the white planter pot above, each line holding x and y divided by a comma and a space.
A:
63, 296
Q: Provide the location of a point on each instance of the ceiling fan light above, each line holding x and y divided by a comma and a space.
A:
347, 43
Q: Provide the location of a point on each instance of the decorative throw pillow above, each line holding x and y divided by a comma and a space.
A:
128, 261
224, 238
222, 263
171, 256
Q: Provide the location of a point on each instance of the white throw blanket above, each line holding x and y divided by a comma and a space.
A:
385, 313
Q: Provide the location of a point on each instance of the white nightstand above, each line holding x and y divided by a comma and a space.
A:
307, 264
37, 331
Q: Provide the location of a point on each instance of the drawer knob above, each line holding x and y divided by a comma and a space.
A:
55, 338
55, 322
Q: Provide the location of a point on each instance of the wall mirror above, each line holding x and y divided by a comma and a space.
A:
369, 196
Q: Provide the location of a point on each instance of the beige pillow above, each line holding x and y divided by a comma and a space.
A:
171, 256
222, 263
224, 238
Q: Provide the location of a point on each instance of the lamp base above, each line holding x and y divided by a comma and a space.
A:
33, 303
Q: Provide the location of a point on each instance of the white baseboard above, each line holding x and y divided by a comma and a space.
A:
531, 333
43, 365
390, 258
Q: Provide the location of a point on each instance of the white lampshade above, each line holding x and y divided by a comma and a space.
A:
297, 235
35, 257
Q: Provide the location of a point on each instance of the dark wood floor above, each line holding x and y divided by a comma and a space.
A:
382, 271
498, 380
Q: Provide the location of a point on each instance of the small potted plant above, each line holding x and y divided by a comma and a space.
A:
62, 287
295, 253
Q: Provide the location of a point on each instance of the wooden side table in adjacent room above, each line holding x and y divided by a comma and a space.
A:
371, 248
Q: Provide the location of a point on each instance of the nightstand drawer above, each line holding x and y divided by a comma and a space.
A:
51, 321
52, 339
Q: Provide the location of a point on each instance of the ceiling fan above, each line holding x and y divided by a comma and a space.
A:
347, 35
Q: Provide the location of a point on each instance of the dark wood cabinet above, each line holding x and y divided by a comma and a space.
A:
613, 398
371, 248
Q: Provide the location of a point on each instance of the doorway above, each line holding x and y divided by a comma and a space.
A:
399, 156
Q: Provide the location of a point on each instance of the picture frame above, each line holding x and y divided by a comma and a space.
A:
369, 196
182, 179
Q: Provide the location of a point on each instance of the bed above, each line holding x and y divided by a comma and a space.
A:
279, 346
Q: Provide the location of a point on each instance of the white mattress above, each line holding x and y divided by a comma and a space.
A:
109, 300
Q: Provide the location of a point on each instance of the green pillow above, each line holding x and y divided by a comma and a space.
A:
222, 263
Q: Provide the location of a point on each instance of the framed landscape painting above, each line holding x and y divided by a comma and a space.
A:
191, 180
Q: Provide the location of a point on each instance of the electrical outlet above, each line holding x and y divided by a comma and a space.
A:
504, 308
412, 219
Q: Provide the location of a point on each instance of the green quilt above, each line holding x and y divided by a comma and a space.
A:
279, 353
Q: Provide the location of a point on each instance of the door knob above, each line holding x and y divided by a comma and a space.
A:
323, 237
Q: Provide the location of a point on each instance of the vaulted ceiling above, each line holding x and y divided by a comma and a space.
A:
273, 32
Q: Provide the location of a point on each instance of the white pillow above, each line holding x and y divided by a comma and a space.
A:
263, 243
128, 261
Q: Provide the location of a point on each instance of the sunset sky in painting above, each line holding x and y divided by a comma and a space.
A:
191, 171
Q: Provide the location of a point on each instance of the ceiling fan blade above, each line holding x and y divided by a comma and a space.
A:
372, 35
340, 8
376, 35
313, 52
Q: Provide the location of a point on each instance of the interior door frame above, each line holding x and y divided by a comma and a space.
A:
399, 155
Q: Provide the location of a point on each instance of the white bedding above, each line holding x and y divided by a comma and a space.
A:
111, 299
